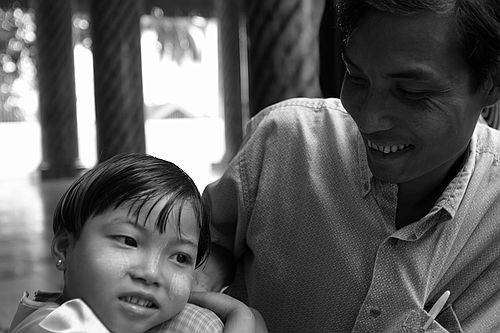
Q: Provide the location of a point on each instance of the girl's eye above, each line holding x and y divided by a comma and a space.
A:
183, 258
127, 240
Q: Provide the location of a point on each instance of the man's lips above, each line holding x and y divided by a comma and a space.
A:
388, 148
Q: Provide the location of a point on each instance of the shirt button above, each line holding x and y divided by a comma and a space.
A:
375, 311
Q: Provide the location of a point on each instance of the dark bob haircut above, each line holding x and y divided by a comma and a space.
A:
477, 23
131, 179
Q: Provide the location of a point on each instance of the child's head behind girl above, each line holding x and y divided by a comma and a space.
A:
128, 235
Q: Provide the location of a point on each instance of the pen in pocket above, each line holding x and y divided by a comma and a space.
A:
436, 308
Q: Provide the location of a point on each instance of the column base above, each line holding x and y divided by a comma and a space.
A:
48, 171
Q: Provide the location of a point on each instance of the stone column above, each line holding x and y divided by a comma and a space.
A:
119, 100
332, 67
283, 51
228, 14
56, 81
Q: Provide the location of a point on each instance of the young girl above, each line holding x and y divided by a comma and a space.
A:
128, 235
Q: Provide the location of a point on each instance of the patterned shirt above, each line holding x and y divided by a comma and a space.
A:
42, 314
314, 236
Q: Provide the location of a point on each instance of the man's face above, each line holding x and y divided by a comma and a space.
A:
408, 88
133, 277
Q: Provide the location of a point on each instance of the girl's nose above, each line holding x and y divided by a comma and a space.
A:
148, 271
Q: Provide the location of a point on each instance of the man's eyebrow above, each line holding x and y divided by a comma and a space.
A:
418, 73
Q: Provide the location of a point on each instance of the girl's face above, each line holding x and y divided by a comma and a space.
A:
133, 277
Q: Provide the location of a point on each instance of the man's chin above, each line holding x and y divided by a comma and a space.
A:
387, 175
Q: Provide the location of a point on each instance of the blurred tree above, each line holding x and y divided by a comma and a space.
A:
177, 36
17, 57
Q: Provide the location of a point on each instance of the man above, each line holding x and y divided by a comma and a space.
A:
357, 215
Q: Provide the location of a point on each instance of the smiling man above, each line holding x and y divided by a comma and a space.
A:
358, 214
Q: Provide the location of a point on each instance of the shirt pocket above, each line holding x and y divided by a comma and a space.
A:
416, 320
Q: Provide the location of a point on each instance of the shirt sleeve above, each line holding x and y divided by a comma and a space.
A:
231, 197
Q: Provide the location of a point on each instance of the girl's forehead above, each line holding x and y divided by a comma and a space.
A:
158, 214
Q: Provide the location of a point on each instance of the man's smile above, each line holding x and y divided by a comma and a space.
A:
387, 149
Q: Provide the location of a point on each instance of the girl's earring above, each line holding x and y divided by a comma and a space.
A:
59, 263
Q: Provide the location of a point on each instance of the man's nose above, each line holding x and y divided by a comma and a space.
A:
375, 113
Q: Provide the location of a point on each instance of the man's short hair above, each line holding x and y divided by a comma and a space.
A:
477, 23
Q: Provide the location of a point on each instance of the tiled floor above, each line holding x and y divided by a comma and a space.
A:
26, 207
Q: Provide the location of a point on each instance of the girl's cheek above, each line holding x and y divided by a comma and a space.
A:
180, 285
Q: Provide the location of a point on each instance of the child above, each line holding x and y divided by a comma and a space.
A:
127, 235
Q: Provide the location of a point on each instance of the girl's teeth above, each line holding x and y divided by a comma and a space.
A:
138, 301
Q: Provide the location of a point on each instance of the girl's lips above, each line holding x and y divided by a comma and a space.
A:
138, 301
144, 300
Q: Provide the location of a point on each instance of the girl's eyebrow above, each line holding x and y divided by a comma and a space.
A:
126, 220
186, 241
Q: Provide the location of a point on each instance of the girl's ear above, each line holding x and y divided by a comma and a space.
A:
62, 243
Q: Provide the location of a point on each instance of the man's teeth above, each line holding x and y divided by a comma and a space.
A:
387, 149
138, 301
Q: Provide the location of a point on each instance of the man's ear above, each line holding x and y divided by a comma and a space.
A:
493, 95
62, 244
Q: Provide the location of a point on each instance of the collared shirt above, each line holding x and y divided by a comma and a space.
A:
313, 232
42, 314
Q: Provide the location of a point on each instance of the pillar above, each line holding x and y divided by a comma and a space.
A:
228, 14
56, 81
119, 102
332, 68
283, 52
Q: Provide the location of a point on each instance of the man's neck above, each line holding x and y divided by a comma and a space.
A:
417, 197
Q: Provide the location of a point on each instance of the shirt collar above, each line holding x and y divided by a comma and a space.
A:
365, 174
450, 199
452, 196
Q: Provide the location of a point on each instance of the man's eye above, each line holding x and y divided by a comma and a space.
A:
356, 79
183, 258
127, 240
415, 95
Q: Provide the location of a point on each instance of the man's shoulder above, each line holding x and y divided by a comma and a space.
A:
300, 113
289, 108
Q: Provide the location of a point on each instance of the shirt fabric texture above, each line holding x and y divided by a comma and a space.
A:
44, 315
314, 237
